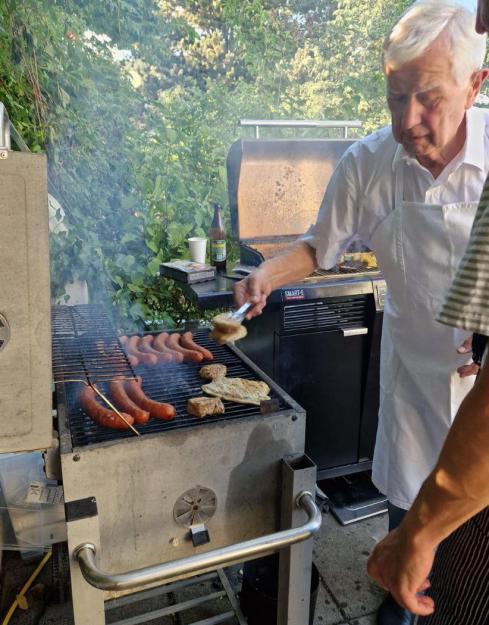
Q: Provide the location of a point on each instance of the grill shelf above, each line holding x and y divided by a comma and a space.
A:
90, 351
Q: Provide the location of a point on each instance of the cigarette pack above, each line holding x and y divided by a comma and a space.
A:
187, 271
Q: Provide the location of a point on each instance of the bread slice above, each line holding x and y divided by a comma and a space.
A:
203, 406
224, 324
222, 337
211, 372
238, 390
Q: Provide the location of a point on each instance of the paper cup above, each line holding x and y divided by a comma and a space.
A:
198, 248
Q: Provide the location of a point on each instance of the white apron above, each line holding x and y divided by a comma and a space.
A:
418, 247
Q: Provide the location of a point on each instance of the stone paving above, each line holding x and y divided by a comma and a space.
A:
347, 596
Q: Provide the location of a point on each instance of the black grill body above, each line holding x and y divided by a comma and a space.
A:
321, 344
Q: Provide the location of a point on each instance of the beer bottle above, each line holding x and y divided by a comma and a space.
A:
217, 236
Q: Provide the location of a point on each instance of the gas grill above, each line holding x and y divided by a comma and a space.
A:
319, 339
173, 499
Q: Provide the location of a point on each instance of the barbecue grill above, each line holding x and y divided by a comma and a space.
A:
174, 489
170, 499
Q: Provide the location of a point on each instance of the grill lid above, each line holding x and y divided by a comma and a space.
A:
25, 355
276, 186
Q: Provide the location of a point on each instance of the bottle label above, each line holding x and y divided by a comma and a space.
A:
218, 250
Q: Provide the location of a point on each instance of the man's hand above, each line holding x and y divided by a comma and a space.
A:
296, 262
255, 288
403, 568
471, 369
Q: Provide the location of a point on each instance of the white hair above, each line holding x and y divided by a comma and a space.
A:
427, 20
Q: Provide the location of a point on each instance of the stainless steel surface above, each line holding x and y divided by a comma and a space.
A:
194, 586
137, 529
25, 361
85, 555
240, 314
4, 128
159, 590
18, 139
354, 331
295, 563
88, 601
299, 123
136, 481
276, 187
231, 596
176, 608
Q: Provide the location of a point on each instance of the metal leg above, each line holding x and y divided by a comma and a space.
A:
88, 601
294, 582
232, 615
231, 596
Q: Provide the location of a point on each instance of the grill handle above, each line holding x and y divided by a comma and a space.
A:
299, 123
354, 331
4, 128
85, 554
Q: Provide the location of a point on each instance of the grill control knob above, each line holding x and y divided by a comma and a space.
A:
195, 506
4, 332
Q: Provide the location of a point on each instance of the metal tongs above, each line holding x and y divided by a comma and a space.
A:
227, 324
240, 314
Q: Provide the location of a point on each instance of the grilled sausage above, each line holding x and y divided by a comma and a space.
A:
132, 359
122, 401
187, 341
146, 345
159, 344
189, 355
102, 416
157, 409
132, 347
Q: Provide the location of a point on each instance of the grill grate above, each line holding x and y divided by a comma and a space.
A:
330, 314
85, 345
78, 353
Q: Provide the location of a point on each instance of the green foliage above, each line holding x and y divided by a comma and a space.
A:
136, 104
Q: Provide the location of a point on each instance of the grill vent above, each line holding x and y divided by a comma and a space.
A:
328, 314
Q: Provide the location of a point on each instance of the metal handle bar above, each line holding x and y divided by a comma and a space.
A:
4, 128
298, 123
8, 131
85, 554
354, 331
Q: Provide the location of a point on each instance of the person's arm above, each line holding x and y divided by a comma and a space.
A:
294, 263
456, 490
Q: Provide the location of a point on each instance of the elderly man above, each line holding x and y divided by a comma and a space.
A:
410, 192
458, 487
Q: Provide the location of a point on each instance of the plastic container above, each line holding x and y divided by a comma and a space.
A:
31, 506
258, 597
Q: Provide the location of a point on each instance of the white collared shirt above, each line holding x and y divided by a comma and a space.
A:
361, 191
